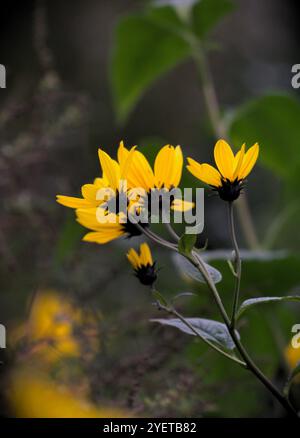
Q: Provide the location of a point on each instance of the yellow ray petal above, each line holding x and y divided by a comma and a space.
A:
168, 167
163, 166
249, 161
110, 168
140, 174
122, 153
224, 159
125, 160
89, 192
133, 258
177, 167
104, 236
72, 202
100, 182
181, 205
238, 161
96, 219
146, 256
205, 172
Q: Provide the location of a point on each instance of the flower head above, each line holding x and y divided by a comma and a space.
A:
165, 176
113, 174
105, 227
143, 265
232, 170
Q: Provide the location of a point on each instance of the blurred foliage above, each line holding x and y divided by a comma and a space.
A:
150, 43
138, 59
272, 120
207, 13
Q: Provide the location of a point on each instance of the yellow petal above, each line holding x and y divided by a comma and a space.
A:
140, 174
72, 202
181, 205
122, 153
89, 192
125, 158
100, 182
104, 236
133, 258
146, 257
204, 172
96, 219
110, 168
224, 159
168, 167
238, 161
249, 161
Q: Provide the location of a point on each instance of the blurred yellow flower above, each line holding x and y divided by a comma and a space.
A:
31, 394
292, 357
232, 169
51, 326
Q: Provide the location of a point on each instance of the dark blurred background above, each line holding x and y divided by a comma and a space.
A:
56, 111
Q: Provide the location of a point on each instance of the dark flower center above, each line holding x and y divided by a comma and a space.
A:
131, 229
146, 274
230, 190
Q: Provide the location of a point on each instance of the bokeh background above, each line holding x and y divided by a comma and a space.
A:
77, 320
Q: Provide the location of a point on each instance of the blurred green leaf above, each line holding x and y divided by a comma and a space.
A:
273, 122
263, 300
146, 46
187, 243
207, 13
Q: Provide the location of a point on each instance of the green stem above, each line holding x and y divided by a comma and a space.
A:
220, 130
237, 265
198, 262
172, 232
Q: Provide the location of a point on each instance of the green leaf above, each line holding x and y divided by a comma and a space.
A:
273, 122
187, 243
254, 301
188, 269
209, 329
289, 383
207, 13
146, 46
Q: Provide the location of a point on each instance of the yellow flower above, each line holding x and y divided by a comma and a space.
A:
105, 227
142, 264
232, 169
130, 176
114, 173
32, 394
166, 175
